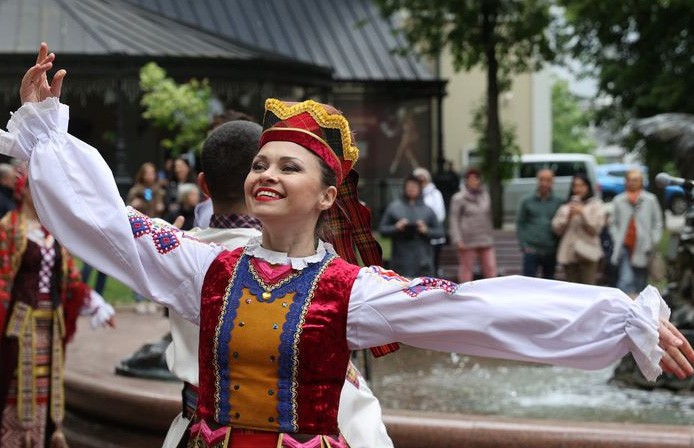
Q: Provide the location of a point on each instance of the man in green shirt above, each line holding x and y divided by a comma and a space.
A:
534, 228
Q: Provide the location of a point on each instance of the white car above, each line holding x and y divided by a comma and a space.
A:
564, 165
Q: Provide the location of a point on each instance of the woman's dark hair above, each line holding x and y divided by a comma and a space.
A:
411, 178
329, 179
191, 174
582, 176
328, 176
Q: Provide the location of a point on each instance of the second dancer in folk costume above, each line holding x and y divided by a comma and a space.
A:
41, 297
280, 316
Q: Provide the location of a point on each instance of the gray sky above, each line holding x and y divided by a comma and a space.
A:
584, 87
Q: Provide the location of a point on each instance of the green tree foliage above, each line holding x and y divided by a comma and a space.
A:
502, 36
509, 146
569, 121
179, 109
641, 53
640, 50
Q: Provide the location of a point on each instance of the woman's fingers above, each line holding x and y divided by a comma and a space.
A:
43, 51
44, 60
679, 358
669, 334
30, 88
57, 82
674, 362
678, 354
47, 59
673, 331
34, 74
673, 336
35, 78
35, 85
669, 366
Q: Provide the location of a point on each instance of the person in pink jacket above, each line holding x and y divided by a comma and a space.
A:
470, 228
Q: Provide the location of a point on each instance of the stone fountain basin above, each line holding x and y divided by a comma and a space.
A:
105, 410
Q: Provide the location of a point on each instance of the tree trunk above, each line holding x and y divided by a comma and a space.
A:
493, 124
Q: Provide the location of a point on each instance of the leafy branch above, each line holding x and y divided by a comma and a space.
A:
179, 109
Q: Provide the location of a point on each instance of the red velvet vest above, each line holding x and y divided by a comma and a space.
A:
274, 357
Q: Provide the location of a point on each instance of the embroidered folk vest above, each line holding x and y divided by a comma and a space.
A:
274, 357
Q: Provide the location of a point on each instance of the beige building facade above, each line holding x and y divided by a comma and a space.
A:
527, 107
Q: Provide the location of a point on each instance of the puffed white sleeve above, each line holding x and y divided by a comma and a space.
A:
77, 200
515, 317
100, 310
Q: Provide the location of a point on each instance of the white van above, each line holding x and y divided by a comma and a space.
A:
564, 165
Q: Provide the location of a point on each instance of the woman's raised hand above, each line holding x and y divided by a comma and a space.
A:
679, 355
35, 86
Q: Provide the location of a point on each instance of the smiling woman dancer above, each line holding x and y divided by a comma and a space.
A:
280, 316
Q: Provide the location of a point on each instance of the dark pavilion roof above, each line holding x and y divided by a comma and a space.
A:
348, 35
291, 42
98, 27
100, 39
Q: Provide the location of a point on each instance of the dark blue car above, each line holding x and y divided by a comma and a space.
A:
611, 181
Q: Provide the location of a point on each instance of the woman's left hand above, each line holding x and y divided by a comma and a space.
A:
35, 86
679, 355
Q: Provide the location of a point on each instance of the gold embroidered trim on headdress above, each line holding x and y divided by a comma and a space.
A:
322, 117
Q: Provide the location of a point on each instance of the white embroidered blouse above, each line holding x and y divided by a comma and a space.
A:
513, 317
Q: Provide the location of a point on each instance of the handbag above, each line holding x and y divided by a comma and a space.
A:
587, 251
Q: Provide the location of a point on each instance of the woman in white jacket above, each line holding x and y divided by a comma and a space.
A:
578, 223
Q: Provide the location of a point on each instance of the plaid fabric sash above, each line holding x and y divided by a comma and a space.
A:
350, 226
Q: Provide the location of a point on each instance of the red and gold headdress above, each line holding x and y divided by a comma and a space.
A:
323, 130
317, 127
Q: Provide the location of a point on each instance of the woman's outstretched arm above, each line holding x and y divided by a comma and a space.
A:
77, 200
520, 318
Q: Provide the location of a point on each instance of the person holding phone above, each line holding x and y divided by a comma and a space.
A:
146, 195
411, 224
578, 223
